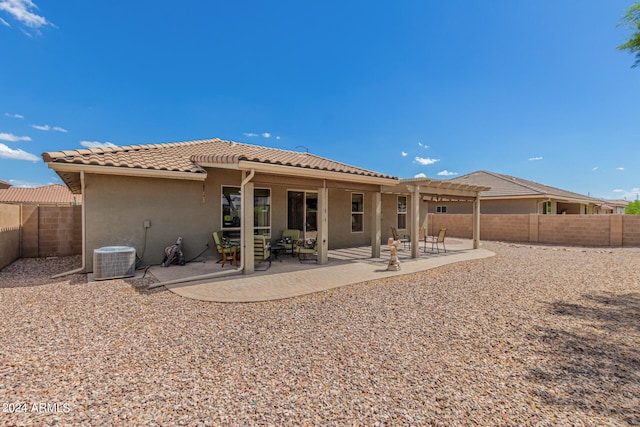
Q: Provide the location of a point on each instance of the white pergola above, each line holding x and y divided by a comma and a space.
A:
425, 189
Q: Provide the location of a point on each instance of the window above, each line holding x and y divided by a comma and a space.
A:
231, 202
441, 209
402, 212
357, 212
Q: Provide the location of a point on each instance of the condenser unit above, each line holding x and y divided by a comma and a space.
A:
114, 262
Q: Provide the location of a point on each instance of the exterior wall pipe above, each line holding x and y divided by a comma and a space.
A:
237, 270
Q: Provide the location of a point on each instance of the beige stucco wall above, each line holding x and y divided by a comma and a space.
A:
9, 234
117, 206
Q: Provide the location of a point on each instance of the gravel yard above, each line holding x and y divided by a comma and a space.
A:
536, 335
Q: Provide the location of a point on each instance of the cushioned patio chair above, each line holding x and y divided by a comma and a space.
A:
226, 249
308, 249
261, 250
438, 240
289, 240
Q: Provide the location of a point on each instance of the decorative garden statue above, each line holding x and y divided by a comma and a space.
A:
394, 264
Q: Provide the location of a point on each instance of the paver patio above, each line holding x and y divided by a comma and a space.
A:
292, 278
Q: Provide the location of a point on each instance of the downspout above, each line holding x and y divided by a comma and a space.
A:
84, 234
236, 270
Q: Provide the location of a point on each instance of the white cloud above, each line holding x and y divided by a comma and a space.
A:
97, 144
620, 169
59, 129
22, 10
5, 23
8, 153
420, 175
43, 127
423, 145
14, 116
278, 137
595, 168
13, 138
266, 135
24, 184
533, 159
426, 161
618, 191
447, 173
250, 134
405, 154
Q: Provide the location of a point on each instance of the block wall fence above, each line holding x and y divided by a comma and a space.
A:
571, 230
31, 231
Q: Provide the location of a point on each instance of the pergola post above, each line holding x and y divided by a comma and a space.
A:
323, 225
476, 222
376, 226
415, 221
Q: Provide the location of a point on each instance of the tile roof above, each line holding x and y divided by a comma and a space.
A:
505, 186
187, 156
4, 184
47, 195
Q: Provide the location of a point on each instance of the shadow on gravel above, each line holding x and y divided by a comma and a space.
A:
26, 272
592, 359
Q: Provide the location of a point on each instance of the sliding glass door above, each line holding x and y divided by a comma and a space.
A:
302, 211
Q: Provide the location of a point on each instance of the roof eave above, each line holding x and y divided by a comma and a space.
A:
314, 173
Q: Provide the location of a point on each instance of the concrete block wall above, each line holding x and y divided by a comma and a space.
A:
630, 230
572, 230
457, 225
59, 231
9, 234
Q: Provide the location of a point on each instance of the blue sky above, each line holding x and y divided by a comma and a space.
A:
534, 89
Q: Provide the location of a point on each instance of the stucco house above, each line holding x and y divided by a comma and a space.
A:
145, 196
512, 195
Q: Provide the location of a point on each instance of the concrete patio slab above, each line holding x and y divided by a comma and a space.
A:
344, 268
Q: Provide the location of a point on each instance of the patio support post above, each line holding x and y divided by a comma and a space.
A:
476, 222
323, 225
415, 222
247, 227
376, 226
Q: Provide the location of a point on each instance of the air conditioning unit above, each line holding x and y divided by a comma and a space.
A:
114, 262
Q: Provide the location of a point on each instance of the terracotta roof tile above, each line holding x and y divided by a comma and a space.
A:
510, 186
186, 156
49, 194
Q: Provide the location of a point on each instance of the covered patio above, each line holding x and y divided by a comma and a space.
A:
288, 277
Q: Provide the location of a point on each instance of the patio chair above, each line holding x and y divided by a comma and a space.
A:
225, 249
401, 238
289, 239
308, 248
261, 250
437, 240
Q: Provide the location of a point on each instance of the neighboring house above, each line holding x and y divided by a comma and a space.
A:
614, 206
4, 184
51, 195
146, 196
512, 195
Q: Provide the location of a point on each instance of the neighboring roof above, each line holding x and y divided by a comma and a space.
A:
190, 158
505, 187
615, 203
4, 184
47, 195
